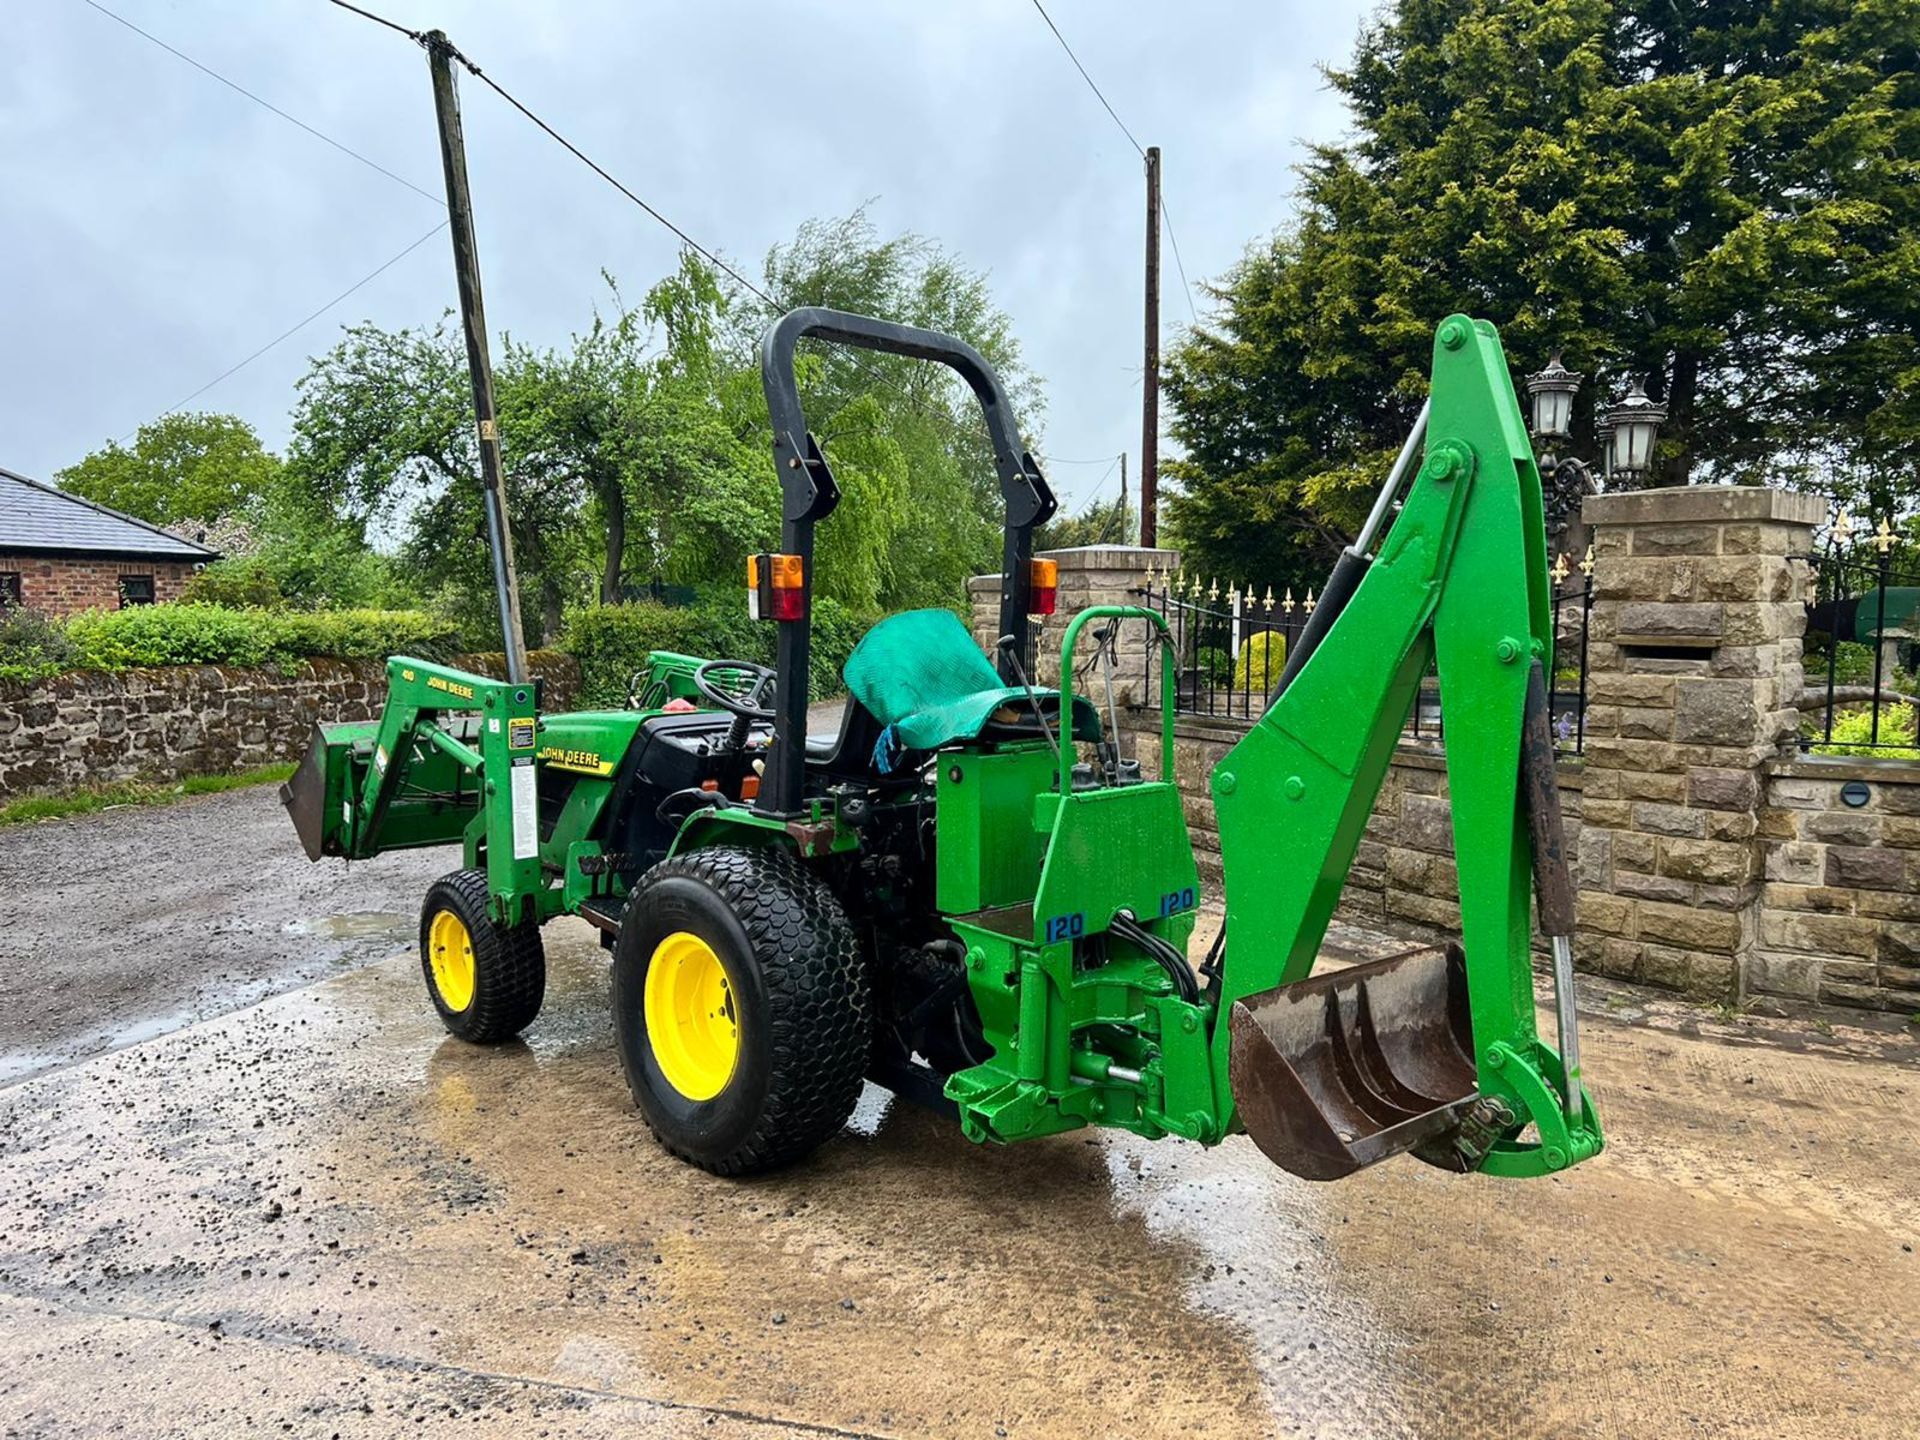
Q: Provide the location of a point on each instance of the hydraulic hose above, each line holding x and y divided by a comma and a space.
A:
1161, 953
1347, 574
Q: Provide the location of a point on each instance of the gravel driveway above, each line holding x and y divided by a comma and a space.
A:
133, 922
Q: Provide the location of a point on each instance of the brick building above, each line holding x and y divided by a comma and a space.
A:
60, 554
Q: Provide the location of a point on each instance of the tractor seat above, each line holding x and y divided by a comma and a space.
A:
922, 678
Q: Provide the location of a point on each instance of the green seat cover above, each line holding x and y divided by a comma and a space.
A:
920, 674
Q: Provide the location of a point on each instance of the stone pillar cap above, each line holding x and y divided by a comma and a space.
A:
1695, 504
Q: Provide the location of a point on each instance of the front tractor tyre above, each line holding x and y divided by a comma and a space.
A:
742, 1008
486, 979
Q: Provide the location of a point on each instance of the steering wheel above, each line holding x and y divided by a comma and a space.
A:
749, 694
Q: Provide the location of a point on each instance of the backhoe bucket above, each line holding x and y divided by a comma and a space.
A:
1340, 1071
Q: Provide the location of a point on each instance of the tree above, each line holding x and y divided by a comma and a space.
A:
180, 468
623, 455
641, 450
1717, 195
383, 441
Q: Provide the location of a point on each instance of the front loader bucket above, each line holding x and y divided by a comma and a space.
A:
1340, 1071
306, 796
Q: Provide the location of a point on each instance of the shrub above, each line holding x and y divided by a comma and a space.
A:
1263, 656
32, 647
201, 634
365, 634
179, 634
1213, 666
246, 583
1853, 734
1853, 665
611, 642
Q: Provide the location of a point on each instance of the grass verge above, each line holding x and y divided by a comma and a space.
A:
95, 798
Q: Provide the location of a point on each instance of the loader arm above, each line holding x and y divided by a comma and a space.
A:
451, 758
1460, 579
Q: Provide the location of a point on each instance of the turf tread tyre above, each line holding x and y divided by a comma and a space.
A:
509, 962
809, 1029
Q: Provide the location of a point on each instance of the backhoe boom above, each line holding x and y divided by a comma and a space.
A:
1460, 582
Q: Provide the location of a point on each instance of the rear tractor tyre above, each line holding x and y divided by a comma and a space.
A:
486, 979
742, 1007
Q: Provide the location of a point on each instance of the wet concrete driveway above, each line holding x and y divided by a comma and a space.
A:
320, 1216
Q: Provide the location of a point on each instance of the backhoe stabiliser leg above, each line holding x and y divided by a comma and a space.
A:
1433, 1053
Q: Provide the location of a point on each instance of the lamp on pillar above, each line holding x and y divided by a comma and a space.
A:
1628, 432
1564, 479
1635, 424
1550, 393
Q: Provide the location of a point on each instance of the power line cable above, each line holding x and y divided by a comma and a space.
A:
413, 35
1138, 148
1166, 218
295, 329
865, 368
238, 88
566, 144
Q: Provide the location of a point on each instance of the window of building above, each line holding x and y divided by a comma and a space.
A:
9, 588
136, 590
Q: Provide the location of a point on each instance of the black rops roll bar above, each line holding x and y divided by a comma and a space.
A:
809, 494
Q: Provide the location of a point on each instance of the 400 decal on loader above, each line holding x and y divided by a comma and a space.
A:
968, 896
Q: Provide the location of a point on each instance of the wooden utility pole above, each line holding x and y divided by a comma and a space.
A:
1150, 380
473, 315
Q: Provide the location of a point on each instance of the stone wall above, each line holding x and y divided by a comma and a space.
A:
1710, 856
1403, 875
1839, 914
58, 585
90, 726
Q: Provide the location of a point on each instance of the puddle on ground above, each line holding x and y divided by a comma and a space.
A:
354, 925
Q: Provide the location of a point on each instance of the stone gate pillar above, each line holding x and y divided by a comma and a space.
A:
1693, 679
1089, 575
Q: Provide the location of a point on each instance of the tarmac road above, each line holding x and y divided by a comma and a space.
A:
318, 1215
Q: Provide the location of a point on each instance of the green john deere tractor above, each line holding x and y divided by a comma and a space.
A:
968, 895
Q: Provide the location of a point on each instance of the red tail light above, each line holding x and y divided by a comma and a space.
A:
1043, 586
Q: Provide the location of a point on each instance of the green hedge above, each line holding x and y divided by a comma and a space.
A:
32, 648
611, 642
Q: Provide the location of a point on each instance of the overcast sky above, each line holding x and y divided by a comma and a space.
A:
158, 227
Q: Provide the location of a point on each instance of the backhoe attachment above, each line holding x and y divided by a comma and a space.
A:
1435, 1053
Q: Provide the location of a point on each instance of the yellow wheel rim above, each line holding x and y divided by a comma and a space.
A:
691, 1023
450, 955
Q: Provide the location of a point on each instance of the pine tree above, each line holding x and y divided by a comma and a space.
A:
1717, 194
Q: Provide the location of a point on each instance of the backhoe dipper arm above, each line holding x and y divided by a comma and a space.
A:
1461, 579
